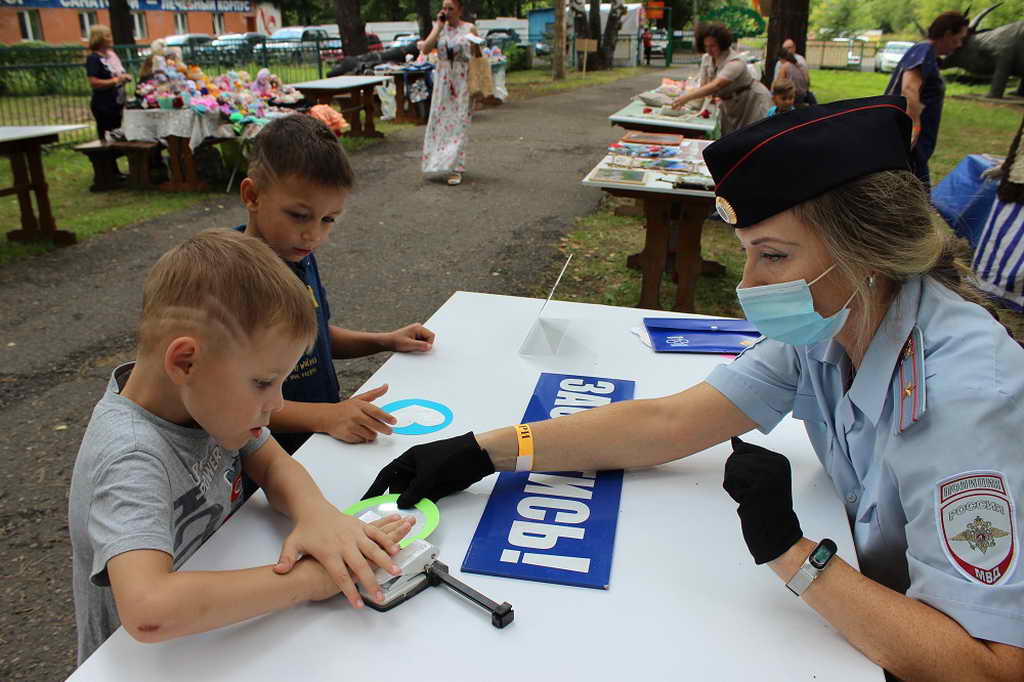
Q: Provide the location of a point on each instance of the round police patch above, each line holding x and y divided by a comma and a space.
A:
725, 210
977, 525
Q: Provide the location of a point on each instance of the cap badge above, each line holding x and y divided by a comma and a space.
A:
725, 210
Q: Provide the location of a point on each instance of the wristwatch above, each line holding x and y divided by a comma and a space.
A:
816, 562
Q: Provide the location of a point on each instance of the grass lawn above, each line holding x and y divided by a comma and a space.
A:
69, 173
603, 240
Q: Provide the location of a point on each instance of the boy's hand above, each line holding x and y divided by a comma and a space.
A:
412, 338
358, 420
395, 526
345, 547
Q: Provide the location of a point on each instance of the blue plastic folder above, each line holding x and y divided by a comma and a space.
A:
700, 334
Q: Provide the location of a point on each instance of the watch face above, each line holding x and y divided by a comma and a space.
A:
825, 550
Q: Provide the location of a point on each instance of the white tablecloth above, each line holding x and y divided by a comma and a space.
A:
156, 124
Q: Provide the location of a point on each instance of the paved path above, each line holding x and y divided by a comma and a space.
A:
404, 245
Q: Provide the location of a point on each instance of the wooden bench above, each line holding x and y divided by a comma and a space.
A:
102, 155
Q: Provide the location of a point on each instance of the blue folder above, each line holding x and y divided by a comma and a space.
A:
700, 334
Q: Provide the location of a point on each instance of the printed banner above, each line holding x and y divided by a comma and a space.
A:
140, 5
553, 527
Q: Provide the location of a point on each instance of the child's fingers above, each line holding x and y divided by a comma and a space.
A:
336, 568
378, 418
289, 556
372, 394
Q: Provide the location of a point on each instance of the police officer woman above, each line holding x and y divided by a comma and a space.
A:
911, 393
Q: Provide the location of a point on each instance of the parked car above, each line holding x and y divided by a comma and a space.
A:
192, 45
891, 55
855, 49
659, 42
291, 43
400, 40
236, 39
502, 37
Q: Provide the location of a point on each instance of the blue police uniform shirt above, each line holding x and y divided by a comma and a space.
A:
933, 92
926, 448
313, 380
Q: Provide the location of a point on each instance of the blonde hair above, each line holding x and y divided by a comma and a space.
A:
882, 225
223, 286
97, 34
783, 86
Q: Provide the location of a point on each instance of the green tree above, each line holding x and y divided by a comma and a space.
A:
892, 16
834, 17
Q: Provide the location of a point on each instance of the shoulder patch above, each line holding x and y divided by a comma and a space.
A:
977, 525
908, 389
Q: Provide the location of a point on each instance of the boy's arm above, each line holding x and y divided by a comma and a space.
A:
341, 543
346, 343
356, 420
156, 603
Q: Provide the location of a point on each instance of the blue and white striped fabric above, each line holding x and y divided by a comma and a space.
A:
999, 257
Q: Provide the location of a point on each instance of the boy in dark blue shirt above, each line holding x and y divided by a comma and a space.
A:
299, 179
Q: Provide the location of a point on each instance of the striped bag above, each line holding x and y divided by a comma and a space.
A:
999, 257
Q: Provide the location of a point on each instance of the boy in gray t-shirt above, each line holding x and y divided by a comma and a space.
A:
160, 465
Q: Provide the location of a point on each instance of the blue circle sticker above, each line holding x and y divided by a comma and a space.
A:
427, 416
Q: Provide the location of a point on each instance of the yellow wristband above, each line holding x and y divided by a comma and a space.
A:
524, 436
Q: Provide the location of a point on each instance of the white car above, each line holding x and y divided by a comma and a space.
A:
889, 58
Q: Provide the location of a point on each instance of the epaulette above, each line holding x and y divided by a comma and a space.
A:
908, 390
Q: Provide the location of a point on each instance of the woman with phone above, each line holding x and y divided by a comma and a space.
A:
444, 144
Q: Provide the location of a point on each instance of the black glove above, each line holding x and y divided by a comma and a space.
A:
761, 482
433, 470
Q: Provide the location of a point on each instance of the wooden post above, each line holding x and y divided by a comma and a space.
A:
558, 49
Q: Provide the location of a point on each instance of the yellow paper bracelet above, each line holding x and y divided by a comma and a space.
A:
524, 437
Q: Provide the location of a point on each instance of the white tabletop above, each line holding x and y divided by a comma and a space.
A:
12, 133
633, 113
656, 181
340, 82
685, 600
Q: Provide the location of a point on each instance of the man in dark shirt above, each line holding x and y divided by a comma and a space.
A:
918, 79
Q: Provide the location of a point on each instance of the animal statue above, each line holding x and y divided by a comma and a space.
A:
997, 52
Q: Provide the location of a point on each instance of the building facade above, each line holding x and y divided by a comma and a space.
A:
62, 22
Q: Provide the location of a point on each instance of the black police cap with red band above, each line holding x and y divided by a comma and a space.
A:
784, 160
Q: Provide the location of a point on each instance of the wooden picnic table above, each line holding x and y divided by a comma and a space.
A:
631, 117
23, 145
664, 204
357, 89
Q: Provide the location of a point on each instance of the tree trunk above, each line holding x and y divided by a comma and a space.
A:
580, 27
595, 19
611, 33
558, 46
423, 17
351, 26
121, 26
788, 20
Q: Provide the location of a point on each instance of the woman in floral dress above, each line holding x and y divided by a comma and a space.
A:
444, 145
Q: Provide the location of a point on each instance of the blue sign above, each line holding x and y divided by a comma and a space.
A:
436, 416
553, 527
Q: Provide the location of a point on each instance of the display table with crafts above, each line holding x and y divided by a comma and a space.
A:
357, 90
23, 146
182, 131
674, 187
639, 116
407, 109
684, 599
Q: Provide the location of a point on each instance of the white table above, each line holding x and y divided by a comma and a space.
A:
685, 599
358, 88
23, 145
663, 205
632, 117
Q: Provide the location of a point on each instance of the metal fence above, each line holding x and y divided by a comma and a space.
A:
53, 88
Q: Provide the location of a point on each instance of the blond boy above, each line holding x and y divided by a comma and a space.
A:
160, 465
